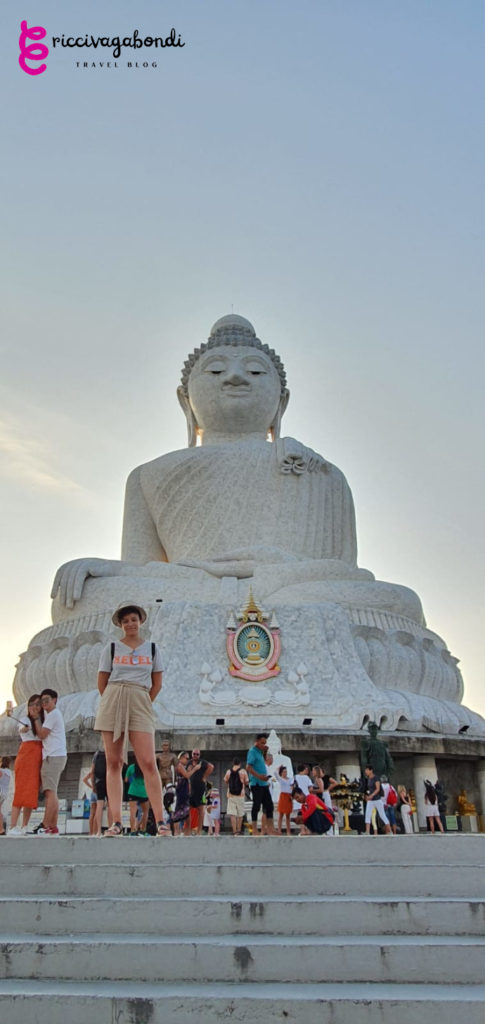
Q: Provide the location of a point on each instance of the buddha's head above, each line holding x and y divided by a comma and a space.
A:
233, 385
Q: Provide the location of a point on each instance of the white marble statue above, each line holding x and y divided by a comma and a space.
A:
278, 760
243, 506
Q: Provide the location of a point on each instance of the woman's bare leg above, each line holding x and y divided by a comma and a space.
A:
92, 819
98, 821
14, 816
26, 816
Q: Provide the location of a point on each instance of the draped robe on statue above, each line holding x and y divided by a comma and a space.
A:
273, 502
275, 513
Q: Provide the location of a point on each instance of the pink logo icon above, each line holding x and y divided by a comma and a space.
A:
36, 51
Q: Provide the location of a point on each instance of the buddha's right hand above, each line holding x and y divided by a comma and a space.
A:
70, 578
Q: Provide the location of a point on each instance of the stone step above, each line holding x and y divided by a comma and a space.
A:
215, 915
380, 918
245, 958
55, 1002
231, 879
451, 848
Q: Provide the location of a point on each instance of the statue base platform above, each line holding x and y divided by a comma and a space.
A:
322, 678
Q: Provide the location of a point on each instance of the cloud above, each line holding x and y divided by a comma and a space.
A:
24, 457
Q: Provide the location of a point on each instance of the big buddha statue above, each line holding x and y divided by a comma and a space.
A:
244, 518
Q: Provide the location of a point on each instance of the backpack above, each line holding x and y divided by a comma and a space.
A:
235, 784
326, 814
391, 797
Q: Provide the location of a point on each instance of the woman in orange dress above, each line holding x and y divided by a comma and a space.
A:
27, 768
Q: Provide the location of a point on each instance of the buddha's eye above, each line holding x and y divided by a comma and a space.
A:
255, 369
214, 367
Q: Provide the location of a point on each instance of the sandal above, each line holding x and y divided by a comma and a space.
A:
163, 829
115, 830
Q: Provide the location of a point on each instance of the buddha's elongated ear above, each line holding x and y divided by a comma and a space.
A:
275, 427
192, 427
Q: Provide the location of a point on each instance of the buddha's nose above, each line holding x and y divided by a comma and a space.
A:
236, 376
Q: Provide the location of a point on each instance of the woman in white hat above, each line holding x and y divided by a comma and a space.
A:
129, 679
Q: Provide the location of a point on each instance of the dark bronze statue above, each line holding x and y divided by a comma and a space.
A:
374, 751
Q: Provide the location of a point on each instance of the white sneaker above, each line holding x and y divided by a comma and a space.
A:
16, 831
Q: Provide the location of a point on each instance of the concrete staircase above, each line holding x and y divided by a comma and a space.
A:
340, 930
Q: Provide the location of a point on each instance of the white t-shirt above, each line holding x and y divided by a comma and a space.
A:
304, 782
27, 737
131, 666
214, 808
54, 744
286, 785
386, 786
5, 777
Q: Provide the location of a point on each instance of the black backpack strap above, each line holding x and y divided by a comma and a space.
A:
112, 653
153, 652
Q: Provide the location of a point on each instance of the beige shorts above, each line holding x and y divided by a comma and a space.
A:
51, 771
123, 708
235, 805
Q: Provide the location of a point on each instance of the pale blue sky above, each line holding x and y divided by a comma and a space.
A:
316, 165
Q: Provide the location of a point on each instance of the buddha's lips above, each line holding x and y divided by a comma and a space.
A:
236, 389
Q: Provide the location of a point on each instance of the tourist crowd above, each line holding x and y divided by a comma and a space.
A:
261, 799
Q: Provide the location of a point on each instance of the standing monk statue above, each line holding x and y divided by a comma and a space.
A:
374, 752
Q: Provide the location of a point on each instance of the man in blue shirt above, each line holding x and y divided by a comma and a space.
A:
259, 782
